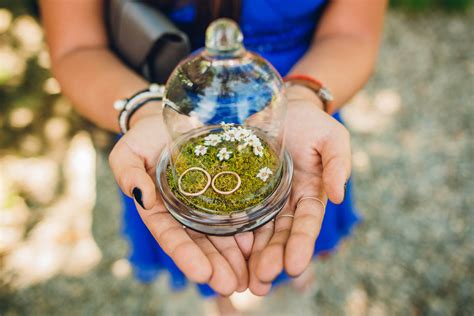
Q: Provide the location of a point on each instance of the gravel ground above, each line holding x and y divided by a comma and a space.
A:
413, 254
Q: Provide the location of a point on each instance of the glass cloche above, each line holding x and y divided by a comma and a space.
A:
226, 169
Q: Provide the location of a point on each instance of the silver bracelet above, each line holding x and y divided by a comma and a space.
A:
130, 105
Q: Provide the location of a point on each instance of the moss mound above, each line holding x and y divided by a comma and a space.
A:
235, 149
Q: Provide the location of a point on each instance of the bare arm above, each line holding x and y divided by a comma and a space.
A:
345, 46
90, 75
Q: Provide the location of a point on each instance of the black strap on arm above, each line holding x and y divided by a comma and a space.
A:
145, 39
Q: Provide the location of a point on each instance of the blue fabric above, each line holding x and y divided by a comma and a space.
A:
281, 32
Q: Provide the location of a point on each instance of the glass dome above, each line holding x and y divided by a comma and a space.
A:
226, 169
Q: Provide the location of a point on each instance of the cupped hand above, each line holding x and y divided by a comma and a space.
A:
219, 261
320, 148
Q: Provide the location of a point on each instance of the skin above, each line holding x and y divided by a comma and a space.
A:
342, 56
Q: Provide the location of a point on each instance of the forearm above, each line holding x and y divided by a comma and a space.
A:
345, 47
93, 78
90, 75
343, 63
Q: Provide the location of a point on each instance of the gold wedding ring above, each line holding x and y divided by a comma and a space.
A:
239, 182
196, 193
311, 198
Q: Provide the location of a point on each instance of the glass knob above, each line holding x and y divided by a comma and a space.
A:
223, 36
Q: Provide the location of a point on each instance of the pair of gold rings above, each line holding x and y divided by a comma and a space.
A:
209, 182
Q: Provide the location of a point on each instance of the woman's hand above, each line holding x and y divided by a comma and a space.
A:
320, 148
219, 261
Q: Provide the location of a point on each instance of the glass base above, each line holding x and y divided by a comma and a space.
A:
229, 224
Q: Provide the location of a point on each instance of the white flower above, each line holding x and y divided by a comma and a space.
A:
223, 154
200, 150
264, 173
258, 150
242, 133
230, 135
212, 140
252, 140
226, 126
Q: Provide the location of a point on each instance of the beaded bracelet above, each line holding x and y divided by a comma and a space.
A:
130, 105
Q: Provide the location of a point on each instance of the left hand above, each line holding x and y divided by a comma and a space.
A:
320, 148
219, 261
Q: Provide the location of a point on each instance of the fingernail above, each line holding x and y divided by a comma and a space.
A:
345, 190
137, 194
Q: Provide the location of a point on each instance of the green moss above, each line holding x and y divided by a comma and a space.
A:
245, 163
226, 182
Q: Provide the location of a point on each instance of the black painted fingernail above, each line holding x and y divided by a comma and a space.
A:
137, 194
345, 190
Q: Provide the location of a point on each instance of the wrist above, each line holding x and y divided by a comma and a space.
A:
150, 109
298, 92
321, 91
129, 106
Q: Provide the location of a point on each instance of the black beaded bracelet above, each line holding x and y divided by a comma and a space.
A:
130, 105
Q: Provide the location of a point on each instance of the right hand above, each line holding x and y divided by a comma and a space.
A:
218, 261
321, 152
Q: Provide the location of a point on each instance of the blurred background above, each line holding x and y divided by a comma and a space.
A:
61, 250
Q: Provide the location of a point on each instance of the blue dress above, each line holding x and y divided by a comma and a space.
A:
281, 32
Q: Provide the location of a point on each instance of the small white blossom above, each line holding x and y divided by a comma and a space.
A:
224, 154
226, 126
242, 133
264, 173
230, 135
200, 150
212, 140
252, 140
258, 150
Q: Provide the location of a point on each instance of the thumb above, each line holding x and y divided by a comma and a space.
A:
130, 173
336, 159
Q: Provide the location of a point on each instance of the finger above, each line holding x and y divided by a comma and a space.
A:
245, 242
270, 264
176, 243
261, 238
131, 175
304, 231
229, 249
336, 158
223, 279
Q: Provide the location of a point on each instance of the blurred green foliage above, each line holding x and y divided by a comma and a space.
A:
419, 5
32, 112
18, 7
